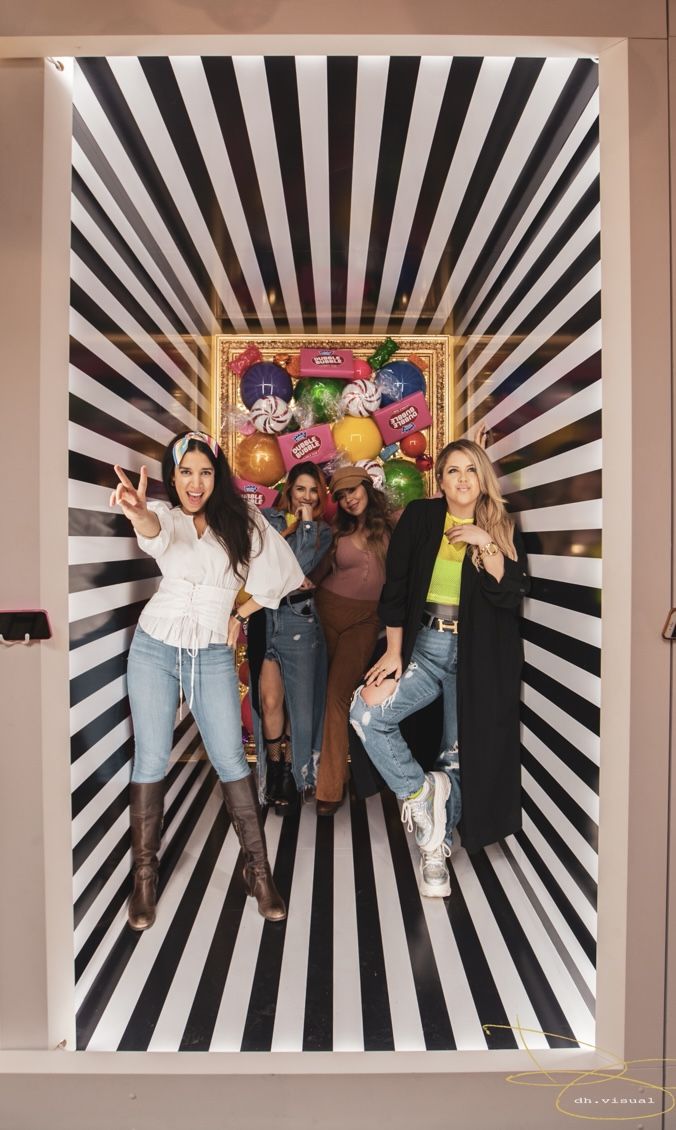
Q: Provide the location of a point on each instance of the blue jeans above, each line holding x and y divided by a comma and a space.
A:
294, 639
431, 672
153, 685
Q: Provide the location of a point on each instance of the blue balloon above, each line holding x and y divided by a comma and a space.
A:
265, 379
397, 380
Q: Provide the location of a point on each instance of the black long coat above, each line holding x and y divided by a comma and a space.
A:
490, 656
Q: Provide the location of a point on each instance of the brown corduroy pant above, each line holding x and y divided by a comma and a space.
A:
351, 630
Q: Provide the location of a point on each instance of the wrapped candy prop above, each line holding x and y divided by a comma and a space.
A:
265, 379
383, 353
360, 398
403, 417
358, 438
245, 360
375, 471
404, 481
424, 462
259, 460
314, 443
414, 444
255, 493
318, 399
419, 362
317, 362
233, 419
330, 508
398, 380
270, 414
388, 451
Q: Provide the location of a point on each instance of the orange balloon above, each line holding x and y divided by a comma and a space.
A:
358, 437
259, 459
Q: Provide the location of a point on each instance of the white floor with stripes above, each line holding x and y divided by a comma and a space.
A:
362, 962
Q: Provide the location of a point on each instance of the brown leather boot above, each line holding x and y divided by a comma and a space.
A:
242, 804
146, 810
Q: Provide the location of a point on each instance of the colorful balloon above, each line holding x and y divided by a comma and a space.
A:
259, 460
413, 444
358, 438
265, 379
321, 397
397, 380
404, 481
362, 370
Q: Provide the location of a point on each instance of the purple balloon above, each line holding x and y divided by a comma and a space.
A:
265, 379
397, 380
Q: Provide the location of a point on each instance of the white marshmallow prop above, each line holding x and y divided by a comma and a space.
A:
270, 414
360, 398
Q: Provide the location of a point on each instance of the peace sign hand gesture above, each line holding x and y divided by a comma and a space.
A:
132, 502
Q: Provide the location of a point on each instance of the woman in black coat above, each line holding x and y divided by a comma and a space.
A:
456, 575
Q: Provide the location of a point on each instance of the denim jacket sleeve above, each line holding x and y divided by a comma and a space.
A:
309, 542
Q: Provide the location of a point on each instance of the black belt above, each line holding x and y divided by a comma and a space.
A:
298, 597
439, 624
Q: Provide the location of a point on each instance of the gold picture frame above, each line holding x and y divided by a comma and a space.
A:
434, 350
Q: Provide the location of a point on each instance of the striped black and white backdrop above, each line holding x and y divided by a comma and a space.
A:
262, 195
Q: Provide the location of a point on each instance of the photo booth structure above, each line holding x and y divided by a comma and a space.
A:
264, 196
149, 291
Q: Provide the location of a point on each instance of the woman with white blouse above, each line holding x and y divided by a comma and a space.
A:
208, 544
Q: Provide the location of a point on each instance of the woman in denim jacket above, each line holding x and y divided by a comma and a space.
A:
289, 686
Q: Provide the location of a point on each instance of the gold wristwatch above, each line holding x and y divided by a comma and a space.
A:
488, 550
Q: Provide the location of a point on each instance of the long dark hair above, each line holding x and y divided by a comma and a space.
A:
378, 523
283, 500
226, 512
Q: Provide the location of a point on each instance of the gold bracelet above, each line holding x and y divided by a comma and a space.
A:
489, 549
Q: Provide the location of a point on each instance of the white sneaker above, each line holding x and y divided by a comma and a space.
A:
428, 811
435, 882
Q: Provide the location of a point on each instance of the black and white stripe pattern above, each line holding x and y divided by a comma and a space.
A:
253, 195
362, 963
527, 315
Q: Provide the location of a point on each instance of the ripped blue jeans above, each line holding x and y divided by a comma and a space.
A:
431, 672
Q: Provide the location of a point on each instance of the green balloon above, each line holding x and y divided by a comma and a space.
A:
404, 481
320, 396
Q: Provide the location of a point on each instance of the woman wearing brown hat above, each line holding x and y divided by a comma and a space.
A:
347, 602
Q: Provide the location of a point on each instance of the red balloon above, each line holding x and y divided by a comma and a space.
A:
243, 672
247, 720
414, 444
424, 462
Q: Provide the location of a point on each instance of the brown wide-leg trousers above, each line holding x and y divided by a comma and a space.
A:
351, 630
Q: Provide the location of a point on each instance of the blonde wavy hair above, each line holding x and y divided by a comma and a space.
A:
490, 513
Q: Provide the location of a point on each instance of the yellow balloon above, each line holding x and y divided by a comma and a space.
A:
358, 437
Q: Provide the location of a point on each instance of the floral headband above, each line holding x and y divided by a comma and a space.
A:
181, 446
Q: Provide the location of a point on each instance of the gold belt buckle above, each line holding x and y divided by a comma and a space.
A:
447, 626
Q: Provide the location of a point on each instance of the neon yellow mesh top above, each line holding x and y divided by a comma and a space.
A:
445, 581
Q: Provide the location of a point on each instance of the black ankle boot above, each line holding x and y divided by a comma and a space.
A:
288, 793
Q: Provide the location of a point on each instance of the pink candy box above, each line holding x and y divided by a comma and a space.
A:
398, 420
320, 362
314, 443
254, 492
